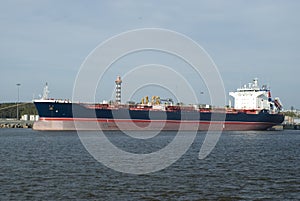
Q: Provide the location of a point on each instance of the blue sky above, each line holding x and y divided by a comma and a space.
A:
47, 41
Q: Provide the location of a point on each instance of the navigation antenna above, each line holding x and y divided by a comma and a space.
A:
45, 92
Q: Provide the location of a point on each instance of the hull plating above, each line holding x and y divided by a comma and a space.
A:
68, 116
138, 125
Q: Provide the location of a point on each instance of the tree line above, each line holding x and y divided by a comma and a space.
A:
9, 110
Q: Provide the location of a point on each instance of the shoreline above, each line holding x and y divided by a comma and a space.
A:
13, 123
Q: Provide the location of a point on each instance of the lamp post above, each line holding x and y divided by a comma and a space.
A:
18, 86
201, 93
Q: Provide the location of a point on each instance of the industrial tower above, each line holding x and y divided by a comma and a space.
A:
118, 90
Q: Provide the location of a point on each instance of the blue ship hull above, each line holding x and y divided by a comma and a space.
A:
72, 116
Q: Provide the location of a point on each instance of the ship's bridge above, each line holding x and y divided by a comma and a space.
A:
252, 97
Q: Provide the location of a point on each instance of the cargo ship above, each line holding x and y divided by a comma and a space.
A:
253, 109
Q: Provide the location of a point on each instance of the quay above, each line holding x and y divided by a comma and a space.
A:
291, 126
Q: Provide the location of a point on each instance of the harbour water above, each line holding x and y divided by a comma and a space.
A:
254, 165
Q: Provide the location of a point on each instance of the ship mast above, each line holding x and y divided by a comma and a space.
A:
118, 90
45, 92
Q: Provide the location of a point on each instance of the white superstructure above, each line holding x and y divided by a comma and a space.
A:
254, 97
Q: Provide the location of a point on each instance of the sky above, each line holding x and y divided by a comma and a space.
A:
48, 40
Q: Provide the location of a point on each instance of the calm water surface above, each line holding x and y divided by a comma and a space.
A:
243, 166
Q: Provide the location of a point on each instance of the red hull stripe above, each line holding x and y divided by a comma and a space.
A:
139, 120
